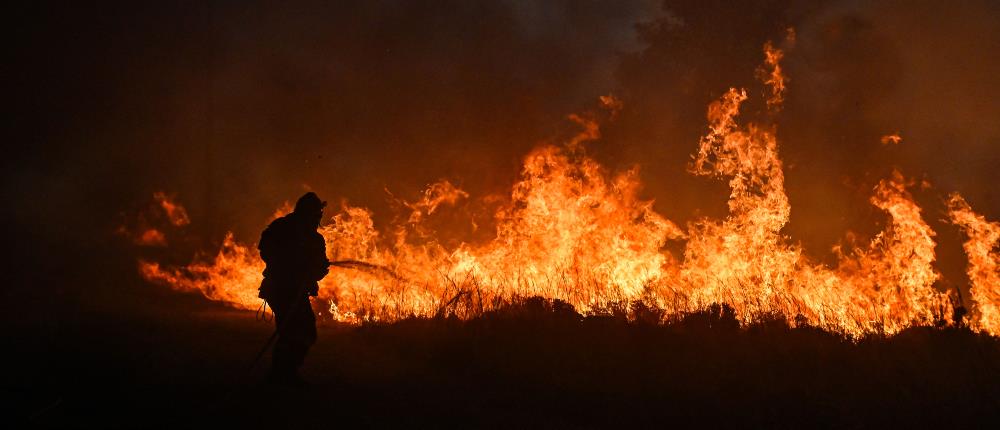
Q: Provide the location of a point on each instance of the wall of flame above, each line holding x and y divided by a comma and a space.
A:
571, 230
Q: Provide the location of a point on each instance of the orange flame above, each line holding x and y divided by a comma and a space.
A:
151, 237
232, 277
772, 74
573, 231
175, 213
891, 139
147, 228
983, 270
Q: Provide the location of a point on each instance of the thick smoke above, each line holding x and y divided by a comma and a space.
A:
235, 107
858, 71
238, 106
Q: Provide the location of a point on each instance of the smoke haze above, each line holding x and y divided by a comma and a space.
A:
238, 106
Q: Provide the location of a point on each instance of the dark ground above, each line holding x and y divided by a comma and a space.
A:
531, 366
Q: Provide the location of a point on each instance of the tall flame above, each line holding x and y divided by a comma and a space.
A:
571, 230
984, 270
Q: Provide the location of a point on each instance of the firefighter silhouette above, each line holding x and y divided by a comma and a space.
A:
295, 254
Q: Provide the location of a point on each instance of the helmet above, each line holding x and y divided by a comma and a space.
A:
309, 202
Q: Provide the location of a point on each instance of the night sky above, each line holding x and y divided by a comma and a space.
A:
233, 108
236, 107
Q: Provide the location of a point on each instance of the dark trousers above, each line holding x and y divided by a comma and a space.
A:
296, 333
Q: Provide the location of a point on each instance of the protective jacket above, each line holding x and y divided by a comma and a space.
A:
295, 255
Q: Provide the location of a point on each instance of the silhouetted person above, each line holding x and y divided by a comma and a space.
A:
295, 255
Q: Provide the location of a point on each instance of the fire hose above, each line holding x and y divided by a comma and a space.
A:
374, 269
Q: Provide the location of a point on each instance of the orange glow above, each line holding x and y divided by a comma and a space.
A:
175, 213
891, 139
148, 227
232, 277
574, 231
983, 270
771, 73
151, 237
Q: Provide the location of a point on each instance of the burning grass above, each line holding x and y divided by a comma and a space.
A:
531, 362
575, 232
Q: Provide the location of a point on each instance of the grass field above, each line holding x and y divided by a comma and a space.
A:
534, 364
